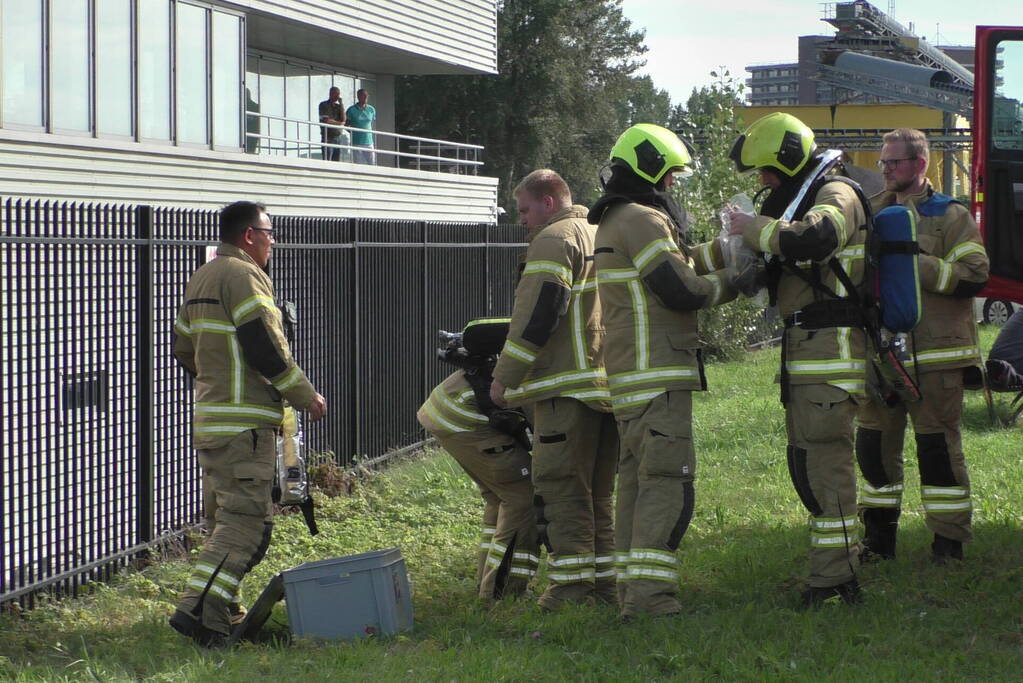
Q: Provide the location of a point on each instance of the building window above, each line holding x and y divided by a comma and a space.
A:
69, 65
21, 49
192, 88
154, 41
227, 56
113, 67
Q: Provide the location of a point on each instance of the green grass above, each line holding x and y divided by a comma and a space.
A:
742, 562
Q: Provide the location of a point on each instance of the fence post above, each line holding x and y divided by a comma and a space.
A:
144, 371
356, 342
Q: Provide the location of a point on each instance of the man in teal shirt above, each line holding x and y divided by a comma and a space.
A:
362, 115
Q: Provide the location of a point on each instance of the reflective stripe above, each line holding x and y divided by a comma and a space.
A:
220, 592
889, 496
658, 555
440, 396
250, 304
588, 395
207, 570
944, 276
951, 491
235, 351
964, 249
569, 560
635, 572
551, 267
639, 313
431, 409
624, 379
182, 327
558, 380
650, 251
587, 285
836, 216
765, 236
832, 522
851, 386
947, 507
578, 335
715, 282
617, 275
818, 366
522, 571
215, 326
605, 574
571, 578
945, 498
947, 354
243, 409
636, 398
529, 557
291, 379
224, 428
519, 352
834, 531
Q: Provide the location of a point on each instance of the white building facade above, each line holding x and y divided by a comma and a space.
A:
195, 103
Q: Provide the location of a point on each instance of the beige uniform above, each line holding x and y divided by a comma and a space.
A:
552, 362
953, 268
508, 552
823, 371
229, 335
650, 290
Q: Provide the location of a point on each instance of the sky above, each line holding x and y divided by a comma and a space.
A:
687, 39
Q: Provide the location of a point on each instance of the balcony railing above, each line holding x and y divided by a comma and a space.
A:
271, 135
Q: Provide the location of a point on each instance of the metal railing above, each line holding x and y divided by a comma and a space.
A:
285, 136
96, 462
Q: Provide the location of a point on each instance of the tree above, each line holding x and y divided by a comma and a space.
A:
564, 91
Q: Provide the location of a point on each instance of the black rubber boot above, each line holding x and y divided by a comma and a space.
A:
881, 527
187, 625
944, 549
848, 593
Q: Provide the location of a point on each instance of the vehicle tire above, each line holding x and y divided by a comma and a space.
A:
997, 311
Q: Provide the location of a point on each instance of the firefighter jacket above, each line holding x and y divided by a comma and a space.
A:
229, 335
554, 342
451, 409
833, 225
953, 269
650, 290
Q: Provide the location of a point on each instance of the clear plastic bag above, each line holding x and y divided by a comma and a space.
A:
745, 266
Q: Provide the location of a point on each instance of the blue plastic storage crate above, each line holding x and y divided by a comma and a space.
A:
349, 597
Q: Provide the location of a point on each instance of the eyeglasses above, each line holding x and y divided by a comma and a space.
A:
270, 232
891, 164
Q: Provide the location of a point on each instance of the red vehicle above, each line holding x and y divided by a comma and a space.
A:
997, 199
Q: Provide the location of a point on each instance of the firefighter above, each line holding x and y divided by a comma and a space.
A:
651, 285
509, 550
228, 335
811, 227
552, 364
942, 348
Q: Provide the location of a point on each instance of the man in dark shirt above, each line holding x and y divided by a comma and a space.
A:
332, 111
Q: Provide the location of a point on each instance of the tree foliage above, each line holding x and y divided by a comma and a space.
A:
566, 87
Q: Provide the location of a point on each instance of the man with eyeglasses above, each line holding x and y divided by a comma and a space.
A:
942, 349
228, 336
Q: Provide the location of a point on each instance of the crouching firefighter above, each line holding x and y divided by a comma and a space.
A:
228, 336
943, 356
812, 228
492, 446
651, 286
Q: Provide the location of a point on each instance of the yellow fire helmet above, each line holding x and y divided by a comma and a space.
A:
650, 151
779, 141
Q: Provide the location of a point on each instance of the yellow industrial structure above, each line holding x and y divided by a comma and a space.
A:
857, 129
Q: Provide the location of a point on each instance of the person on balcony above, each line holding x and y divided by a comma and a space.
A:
332, 111
362, 115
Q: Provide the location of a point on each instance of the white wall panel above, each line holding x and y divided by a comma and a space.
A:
56, 167
462, 32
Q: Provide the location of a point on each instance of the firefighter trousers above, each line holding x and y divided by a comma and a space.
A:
819, 423
575, 449
237, 479
656, 469
944, 481
508, 553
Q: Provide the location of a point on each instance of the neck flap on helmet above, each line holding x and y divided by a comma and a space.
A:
625, 186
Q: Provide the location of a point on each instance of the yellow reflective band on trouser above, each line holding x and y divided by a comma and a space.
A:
651, 563
524, 564
486, 536
956, 353
834, 532
433, 411
938, 499
621, 565
605, 566
551, 267
441, 400
251, 304
224, 586
889, 496
650, 251
570, 568
557, 381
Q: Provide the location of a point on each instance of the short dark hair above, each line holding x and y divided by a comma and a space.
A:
236, 218
361, 90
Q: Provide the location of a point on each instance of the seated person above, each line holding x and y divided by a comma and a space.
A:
1005, 360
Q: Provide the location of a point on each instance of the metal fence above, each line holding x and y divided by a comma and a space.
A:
96, 460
